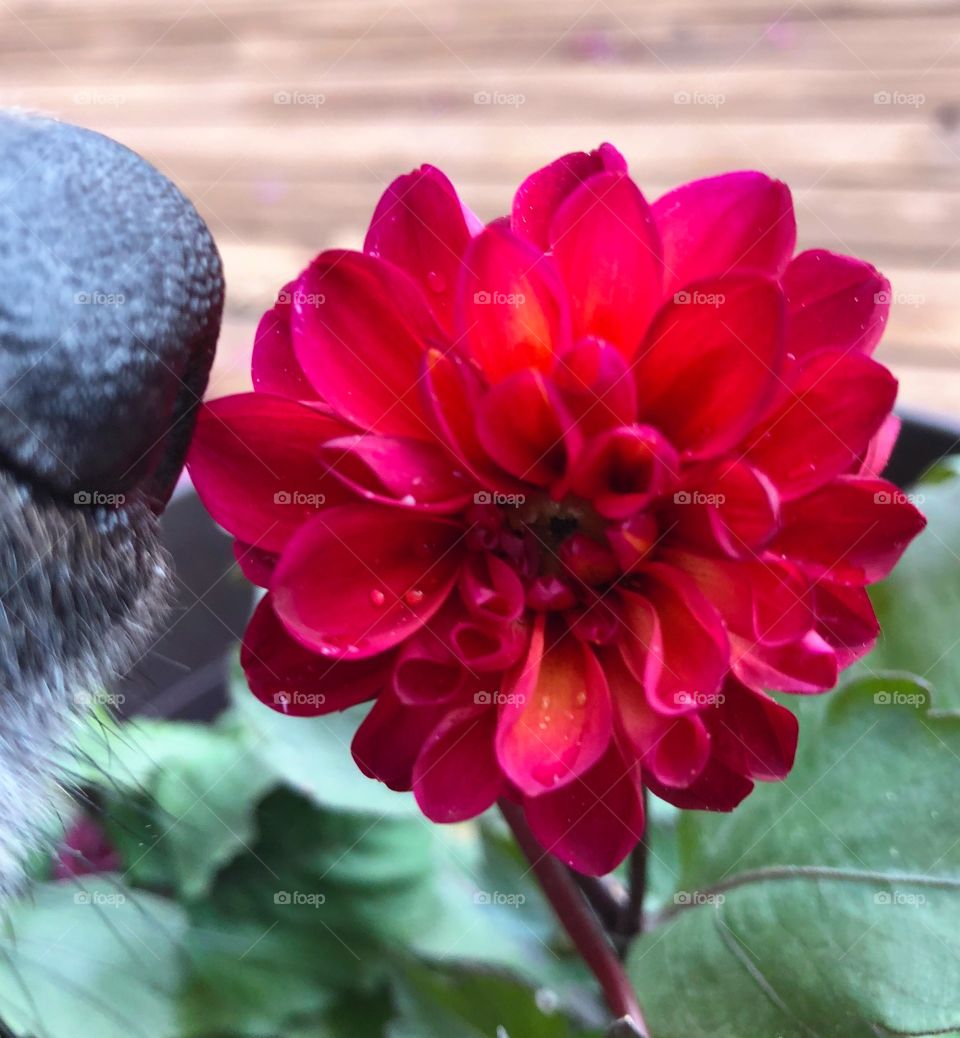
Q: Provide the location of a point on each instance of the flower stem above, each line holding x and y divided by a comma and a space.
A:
631, 919
578, 920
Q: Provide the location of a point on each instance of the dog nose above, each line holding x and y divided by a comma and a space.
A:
111, 293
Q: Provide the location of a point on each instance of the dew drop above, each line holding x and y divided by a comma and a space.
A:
413, 597
581, 698
377, 597
437, 282
408, 499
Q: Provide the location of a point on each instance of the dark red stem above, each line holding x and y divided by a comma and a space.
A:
578, 920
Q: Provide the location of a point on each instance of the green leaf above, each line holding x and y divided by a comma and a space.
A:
180, 798
94, 958
919, 604
434, 1004
312, 754
828, 904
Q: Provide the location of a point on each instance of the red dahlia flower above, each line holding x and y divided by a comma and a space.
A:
564, 494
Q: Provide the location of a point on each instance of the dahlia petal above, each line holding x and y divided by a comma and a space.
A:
486, 647
426, 669
525, 430
674, 749
845, 620
292, 680
511, 310
736, 221
452, 390
852, 531
359, 579
543, 192
360, 328
807, 666
675, 642
399, 471
490, 589
623, 469
457, 776
709, 363
256, 565
419, 225
596, 385
593, 822
823, 422
274, 365
763, 600
557, 721
253, 462
607, 249
752, 733
880, 448
389, 741
834, 303
719, 788
726, 506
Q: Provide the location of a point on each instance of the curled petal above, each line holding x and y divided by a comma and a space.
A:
490, 589
292, 680
823, 422
397, 471
525, 430
674, 749
512, 313
851, 532
752, 733
543, 192
607, 249
710, 362
557, 719
808, 665
596, 385
360, 328
719, 788
389, 741
737, 221
254, 464
880, 448
623, 469
457, 776
426, 669
593, 822
674, 642
834, 303
420, 225
485, 646
360, 579
845, 620
726, 507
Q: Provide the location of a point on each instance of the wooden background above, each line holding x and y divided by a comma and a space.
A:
284, 121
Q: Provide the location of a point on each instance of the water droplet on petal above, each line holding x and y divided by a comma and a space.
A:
377, 597
408, 499
437, 282
413, 597
581, 698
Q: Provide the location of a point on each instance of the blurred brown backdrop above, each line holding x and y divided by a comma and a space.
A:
284, 121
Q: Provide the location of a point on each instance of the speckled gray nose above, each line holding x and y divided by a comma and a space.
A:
111, 293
